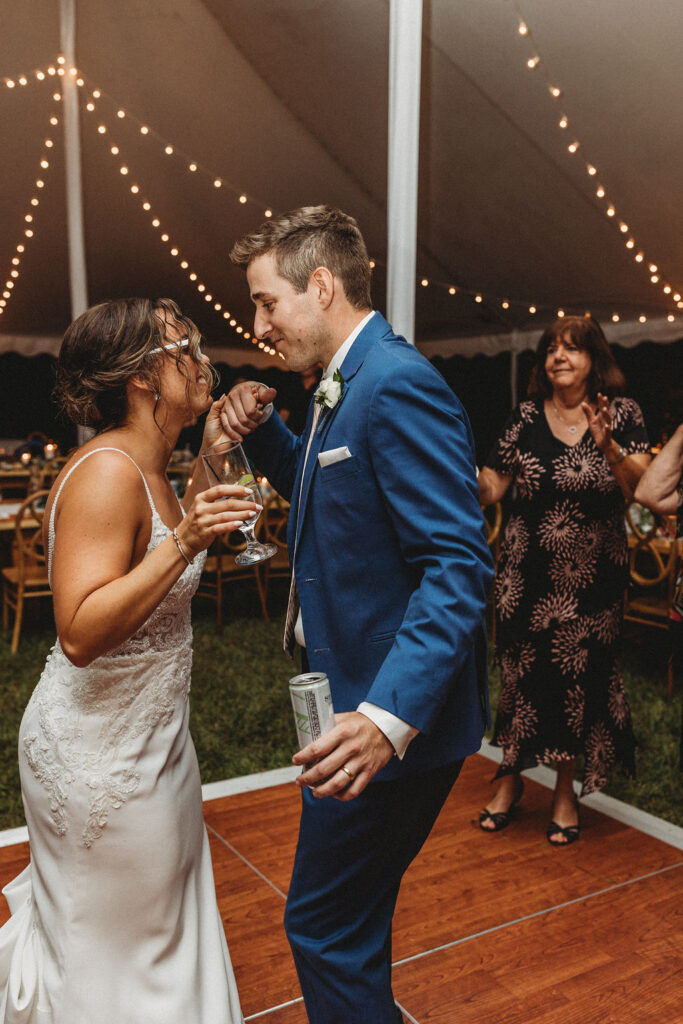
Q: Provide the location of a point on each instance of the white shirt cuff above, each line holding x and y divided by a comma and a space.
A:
398, 732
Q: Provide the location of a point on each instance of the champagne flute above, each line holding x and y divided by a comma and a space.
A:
226, 463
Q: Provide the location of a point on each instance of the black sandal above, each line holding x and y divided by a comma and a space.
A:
570, 832
501, 819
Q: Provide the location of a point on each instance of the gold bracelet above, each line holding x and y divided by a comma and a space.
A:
620, 458
176, 538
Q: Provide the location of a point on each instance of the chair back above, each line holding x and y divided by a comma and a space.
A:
272, 524
28, 548
652, 554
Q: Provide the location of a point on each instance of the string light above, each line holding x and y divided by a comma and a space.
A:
29, 233
174, 250
219, 182
170, 149
535, 60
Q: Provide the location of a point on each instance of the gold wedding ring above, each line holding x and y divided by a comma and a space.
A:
350, 774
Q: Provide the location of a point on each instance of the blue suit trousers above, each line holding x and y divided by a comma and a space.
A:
348, 868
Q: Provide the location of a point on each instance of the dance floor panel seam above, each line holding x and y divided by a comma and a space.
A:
499, 928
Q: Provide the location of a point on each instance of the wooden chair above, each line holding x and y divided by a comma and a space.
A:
27, 577
14, 485
653, 557
493, 517
221, 568
272, 528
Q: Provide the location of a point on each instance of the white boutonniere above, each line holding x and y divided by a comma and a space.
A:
329, 390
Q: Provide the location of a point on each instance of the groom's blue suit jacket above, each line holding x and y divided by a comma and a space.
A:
389, 547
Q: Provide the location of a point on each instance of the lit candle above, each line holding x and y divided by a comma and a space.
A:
50, 450
25, 457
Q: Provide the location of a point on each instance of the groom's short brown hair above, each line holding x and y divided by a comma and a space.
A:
310, 237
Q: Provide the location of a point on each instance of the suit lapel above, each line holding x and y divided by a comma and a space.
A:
373, 330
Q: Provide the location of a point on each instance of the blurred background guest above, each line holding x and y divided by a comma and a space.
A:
661, 489
574, 453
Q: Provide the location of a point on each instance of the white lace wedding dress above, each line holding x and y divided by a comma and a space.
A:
115, 919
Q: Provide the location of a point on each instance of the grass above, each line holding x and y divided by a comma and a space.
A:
241, 717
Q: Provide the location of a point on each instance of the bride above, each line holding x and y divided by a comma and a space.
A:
115, 919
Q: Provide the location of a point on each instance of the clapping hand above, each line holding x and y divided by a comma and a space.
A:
599, 422
347, 757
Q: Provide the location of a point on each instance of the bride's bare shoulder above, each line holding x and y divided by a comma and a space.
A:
97, 479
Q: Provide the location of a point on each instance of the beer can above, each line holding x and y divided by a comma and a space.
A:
312, 705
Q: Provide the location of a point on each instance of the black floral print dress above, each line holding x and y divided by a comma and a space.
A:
560, 584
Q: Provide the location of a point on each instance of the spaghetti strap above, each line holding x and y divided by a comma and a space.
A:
51, 524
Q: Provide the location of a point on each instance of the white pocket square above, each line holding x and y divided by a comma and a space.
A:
333, 455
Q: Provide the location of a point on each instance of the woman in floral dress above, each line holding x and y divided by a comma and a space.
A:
574, 453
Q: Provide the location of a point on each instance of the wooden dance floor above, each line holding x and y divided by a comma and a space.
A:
489, 929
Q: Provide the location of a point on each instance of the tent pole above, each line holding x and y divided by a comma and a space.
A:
513, 377
405, 53
78, 282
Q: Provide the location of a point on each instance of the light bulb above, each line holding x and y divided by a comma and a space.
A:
217, 183
243, 199
615, 318
452, 291
268, 213
478, 298
168, 150
424, 282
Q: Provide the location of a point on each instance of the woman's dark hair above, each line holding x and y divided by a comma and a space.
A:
586, 333
108, 345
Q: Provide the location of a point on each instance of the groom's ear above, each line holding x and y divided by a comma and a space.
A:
323, 285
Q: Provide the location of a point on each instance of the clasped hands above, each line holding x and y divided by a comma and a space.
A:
346, 758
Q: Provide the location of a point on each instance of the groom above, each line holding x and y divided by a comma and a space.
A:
390, 573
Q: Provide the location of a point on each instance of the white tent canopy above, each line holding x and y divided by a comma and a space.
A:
285, 102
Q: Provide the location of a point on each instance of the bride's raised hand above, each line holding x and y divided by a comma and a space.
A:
213, 428
220, 509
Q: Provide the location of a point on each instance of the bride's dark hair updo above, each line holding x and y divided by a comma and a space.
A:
587, 334
110, 344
